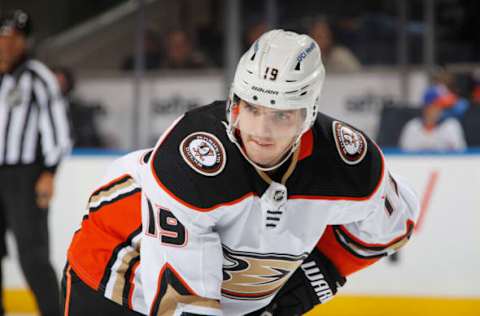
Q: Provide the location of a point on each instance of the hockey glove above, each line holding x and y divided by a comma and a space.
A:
314, 282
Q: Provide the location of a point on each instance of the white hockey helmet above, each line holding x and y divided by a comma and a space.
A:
282, 70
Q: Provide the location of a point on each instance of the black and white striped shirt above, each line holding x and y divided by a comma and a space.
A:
34, 127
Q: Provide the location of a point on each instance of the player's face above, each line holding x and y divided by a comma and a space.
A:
267, 134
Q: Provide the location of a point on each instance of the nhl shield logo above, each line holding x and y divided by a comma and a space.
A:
351, 144
204, 153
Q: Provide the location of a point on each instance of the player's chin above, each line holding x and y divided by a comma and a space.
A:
262, 159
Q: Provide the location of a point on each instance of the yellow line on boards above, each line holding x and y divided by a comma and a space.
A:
19, 301
347, 305
22, 301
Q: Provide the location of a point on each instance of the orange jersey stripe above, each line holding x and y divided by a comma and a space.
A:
345, 262
68, 290
306, 145
101, 233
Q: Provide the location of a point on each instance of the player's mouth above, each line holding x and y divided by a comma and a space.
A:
261, 142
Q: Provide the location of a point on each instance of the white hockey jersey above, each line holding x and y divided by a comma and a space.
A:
218, 237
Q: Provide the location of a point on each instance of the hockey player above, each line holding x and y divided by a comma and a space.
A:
262, 205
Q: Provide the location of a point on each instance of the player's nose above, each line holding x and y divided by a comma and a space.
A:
263, 126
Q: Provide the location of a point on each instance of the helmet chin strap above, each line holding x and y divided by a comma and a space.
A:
230, 132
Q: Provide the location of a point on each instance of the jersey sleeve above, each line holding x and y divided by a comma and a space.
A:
386, 228
181, 255
130, 164
105, 238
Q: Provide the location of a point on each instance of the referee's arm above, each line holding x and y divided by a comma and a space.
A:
54, 126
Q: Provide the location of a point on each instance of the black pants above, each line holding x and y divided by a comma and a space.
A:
28, 223
78, 299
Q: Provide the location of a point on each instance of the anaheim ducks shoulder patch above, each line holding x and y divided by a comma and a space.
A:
351, 144
204, 153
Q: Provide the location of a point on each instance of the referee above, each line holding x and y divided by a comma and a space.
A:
34, 137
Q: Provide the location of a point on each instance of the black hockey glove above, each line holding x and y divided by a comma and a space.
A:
314, 282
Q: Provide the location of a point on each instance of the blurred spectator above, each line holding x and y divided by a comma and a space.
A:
180, 53
432, 132
153, 52
336, 58
83, 116
443, 93
476, 87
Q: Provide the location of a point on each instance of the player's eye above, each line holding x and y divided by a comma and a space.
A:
282, 116
251, 108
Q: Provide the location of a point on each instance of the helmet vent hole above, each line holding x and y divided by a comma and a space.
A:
297, 67
255, 98
303, 93
253, 56
272, 102
290, 92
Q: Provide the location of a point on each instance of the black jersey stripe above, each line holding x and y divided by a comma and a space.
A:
388, 206
48, 106
168, 276
111, 184
26, 122
341, 231
146, 156
117, 198
5, 137
269, 218
344, 233
52, 122
348, 248
108, 269
128, 285
353, 246
151, 222
395, 185
275, 212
